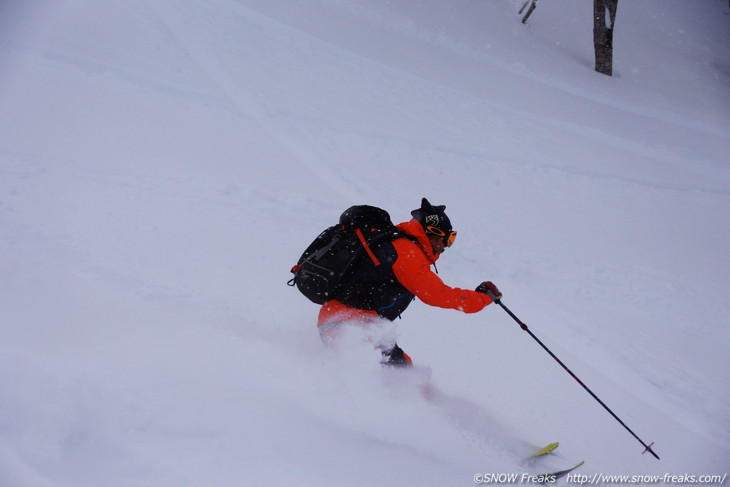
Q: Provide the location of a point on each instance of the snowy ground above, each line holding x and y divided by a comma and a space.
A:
164, 163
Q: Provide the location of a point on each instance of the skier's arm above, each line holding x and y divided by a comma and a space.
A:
413, 271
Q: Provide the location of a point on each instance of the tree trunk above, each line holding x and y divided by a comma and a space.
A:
604, 16
529, 11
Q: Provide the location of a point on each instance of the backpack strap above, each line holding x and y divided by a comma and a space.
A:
367, 247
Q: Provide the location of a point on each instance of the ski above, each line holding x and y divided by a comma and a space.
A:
544, 451
553, 476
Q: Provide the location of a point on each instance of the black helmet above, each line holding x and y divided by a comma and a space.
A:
433, 219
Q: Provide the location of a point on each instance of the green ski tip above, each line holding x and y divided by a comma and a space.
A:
553, 476
545, 450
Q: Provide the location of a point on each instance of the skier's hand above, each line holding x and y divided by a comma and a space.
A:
488, 288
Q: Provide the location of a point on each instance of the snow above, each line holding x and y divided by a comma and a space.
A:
164, 163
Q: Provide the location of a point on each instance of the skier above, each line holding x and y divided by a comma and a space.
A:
386, 291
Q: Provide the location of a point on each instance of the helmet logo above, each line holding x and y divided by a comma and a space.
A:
432, 220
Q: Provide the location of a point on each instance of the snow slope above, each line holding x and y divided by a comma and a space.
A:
163, 164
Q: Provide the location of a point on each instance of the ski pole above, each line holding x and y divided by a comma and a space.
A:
524, 327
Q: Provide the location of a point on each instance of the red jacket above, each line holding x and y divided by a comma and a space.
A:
412, 269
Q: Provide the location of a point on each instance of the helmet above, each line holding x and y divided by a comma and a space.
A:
434, 221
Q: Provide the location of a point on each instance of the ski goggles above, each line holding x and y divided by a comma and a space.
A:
448, 237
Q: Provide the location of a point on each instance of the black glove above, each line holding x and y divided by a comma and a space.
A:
488, 288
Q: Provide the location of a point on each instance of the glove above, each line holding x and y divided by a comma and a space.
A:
488, 288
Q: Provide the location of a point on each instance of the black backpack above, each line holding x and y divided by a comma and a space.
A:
327, 265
